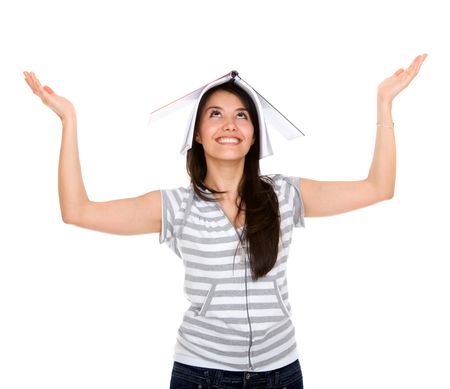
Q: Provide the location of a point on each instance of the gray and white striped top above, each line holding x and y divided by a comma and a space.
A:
233, 323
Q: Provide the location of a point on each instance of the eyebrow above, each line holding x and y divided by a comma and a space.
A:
217, 107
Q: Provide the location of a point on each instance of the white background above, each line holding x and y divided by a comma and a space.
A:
369, 289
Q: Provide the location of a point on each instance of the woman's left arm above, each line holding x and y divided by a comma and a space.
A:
326, 198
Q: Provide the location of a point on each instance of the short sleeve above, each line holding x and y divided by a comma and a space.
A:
299, 210
290, 195
171, 203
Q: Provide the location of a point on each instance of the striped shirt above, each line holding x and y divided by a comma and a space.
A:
233, 323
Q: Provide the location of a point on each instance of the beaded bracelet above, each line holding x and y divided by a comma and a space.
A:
385, 125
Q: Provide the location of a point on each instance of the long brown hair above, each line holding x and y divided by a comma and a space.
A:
257, 197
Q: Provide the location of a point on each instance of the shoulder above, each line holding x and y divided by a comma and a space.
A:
281, 182
180, 191
174, 197
287, 189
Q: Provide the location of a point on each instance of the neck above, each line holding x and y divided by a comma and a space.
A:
224, 176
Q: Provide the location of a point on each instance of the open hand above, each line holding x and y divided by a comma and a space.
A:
393, 85
58, 104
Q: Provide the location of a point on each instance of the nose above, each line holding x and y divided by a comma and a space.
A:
229, 124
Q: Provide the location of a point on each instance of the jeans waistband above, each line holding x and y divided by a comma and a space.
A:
215, 377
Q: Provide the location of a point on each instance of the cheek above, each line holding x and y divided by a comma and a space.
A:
200, 134
205, 130
250, 133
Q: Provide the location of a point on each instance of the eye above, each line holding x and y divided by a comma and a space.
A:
215, 113
242, 115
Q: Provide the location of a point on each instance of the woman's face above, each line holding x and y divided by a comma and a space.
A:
225, 128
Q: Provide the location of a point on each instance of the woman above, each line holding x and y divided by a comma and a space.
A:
232, 228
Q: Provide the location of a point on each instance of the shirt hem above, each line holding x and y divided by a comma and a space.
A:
195, 361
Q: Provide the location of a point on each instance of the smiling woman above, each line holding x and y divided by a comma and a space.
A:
227, 124
238, 330
226, 141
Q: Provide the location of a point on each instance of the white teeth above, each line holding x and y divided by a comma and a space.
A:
228, 140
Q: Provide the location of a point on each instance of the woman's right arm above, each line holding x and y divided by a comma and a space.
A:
138, 215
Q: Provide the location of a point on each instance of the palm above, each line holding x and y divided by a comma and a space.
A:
393, 85
58, 104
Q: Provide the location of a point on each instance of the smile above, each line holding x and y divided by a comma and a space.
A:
228, 140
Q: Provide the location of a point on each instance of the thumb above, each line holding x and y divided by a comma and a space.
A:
398, 72
49, 90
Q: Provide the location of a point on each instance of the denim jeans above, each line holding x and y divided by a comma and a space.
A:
193, 377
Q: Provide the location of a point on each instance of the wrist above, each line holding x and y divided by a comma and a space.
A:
69, 118
384, 110
383, 101
69, 122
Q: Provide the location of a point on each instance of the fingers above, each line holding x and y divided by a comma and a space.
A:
30, 78
29, 81
424, 57
36, 86
414, 68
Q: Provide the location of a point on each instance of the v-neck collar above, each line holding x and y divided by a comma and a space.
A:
239, 229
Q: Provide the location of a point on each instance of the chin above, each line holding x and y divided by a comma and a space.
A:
229, 155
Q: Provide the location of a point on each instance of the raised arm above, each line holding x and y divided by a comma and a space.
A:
137, 215
326, 198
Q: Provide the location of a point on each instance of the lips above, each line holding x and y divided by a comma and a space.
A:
228, 140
